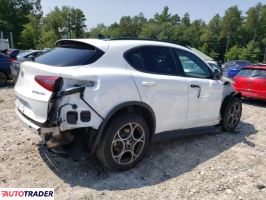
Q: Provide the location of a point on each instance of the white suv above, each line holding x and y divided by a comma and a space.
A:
113, 97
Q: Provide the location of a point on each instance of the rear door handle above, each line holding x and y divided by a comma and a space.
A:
148, 83
198, 87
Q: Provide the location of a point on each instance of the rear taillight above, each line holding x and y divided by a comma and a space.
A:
47, 82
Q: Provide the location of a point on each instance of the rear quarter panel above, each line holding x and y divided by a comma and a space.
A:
113, 84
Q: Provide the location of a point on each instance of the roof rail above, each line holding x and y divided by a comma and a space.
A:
136, 38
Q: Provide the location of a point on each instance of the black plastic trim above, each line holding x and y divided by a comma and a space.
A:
72, 117
174, 134
85, 116
42, 125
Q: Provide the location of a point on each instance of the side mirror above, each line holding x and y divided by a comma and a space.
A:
216, 74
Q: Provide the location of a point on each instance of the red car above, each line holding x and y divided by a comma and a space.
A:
251, 82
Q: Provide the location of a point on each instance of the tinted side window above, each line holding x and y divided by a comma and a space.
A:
192, 66
242, 64
152, 59
158, 60
246, 72
134, 59
69, 56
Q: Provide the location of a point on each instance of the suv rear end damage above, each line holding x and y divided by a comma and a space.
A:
50, 97
63, 117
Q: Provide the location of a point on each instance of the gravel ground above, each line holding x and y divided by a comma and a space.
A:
216, 165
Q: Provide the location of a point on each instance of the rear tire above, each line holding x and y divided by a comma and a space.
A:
124, 142
232, 114
3, 79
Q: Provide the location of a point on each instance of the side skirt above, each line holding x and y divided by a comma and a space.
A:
174, 134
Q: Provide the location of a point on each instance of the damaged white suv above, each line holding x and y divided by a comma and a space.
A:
114, 97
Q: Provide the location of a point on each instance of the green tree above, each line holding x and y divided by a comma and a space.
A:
251, 52
223, 37
47, 39
252, 21
233, 53
77, 23
14, 15
194, 32
166, 17
264, 45
100, 29
211, 37
30, 35
185, 21
231, 24
150, 30
61, 23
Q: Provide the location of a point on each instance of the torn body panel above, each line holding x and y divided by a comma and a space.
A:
73, 105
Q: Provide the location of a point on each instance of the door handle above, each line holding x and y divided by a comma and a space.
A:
198, 87
148, 83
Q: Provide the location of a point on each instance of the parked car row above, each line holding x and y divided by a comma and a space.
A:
233, 67
10, 60
5, 72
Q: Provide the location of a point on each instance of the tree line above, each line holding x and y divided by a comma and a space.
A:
235, 35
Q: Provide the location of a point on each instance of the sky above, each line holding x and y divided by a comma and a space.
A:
110, 11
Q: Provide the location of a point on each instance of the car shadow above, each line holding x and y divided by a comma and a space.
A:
163, 161
254, 102
9, 84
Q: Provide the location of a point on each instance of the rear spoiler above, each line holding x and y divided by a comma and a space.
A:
84, 43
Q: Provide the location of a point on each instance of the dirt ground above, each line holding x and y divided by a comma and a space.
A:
216, 165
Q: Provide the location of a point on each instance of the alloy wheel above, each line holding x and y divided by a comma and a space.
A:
234, 114
128, 143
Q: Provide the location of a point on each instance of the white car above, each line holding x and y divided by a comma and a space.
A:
113, 97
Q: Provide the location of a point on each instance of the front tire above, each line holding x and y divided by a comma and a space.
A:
124, 142
3, 79
232, 114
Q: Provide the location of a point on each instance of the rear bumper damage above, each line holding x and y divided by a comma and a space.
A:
78, 143
68, 124
34, 126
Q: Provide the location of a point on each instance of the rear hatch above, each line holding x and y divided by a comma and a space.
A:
36, 81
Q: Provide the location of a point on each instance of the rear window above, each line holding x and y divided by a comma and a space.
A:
260, 73
70, 55
253, 73
243, 63
246, 72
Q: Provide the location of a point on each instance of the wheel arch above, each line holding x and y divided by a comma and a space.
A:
132, 106
227, 100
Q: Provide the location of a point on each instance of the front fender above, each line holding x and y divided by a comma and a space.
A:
227, 99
